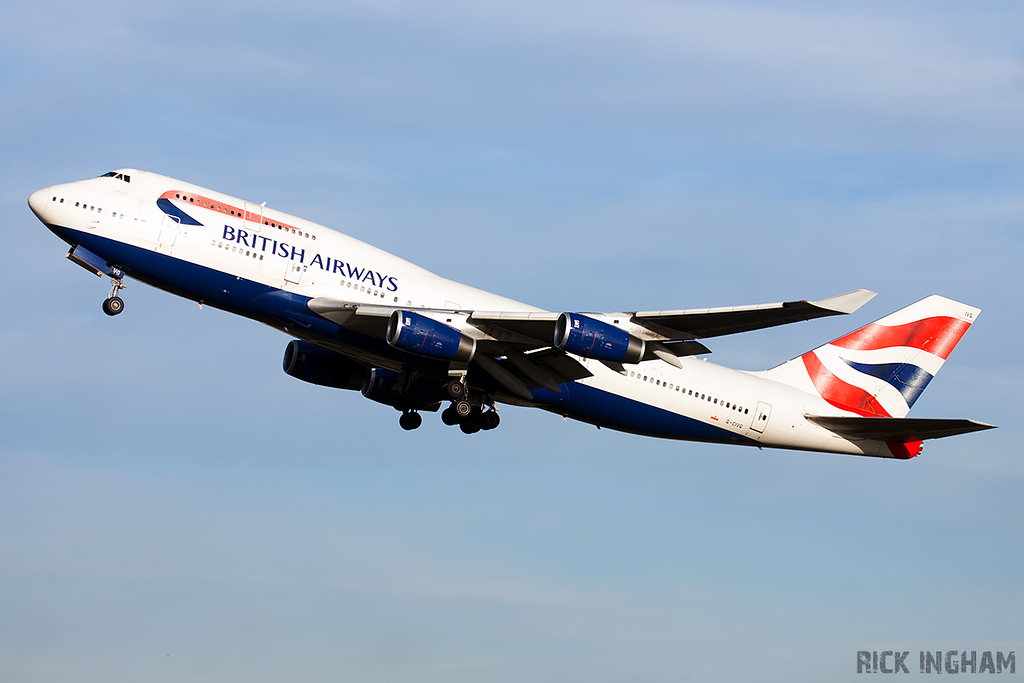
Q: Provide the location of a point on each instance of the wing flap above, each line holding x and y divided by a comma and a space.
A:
536, 326
897, 429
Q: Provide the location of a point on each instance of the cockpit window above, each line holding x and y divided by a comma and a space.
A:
117, 176
109, 175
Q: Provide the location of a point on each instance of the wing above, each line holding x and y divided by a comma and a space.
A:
522, 351
715, 322
685, 325
519, 364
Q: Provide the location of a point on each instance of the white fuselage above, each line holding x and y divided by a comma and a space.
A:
242, 248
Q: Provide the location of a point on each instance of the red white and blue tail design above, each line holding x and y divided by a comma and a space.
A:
882, 368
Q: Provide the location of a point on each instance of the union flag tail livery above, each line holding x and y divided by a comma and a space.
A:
366, 320
881, 369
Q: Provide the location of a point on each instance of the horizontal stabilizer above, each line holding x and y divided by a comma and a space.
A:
897, 429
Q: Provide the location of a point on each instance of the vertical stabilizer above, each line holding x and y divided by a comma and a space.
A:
882, 368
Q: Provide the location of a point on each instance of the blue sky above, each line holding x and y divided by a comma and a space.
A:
174, 508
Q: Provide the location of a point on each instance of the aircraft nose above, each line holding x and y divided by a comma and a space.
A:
38, 201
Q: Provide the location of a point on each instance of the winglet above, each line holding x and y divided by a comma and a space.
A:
846, 303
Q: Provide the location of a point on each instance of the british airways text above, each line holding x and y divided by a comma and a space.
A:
325, 263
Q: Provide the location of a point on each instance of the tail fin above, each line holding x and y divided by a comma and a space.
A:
882, 368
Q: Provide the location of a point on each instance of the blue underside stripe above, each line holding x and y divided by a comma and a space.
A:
288, 311
284, 310
612, 411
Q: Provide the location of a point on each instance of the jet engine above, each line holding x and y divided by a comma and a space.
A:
415, 333
591, 338
317, 365
384, 386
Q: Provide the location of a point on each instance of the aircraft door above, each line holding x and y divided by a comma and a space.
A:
168, 233
253, 219
294, 271
761, 415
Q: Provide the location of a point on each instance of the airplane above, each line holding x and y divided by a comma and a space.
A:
364, 319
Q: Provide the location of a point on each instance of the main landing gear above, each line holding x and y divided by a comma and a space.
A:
114, 304
410, 420
470, 418
471, 413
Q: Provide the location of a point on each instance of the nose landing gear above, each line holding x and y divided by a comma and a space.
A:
114, 304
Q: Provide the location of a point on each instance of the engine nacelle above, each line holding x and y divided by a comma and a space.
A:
383, 386
591, 338
415, 333
317, 365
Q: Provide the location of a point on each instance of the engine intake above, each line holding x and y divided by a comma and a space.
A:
317, 365
591, 338
415, 333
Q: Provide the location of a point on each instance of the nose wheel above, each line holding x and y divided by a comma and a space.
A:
114, 304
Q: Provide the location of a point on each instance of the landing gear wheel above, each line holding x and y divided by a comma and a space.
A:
456, 389
470, 426
410, 421
462, 409
449, 416
489, 420
113, 305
